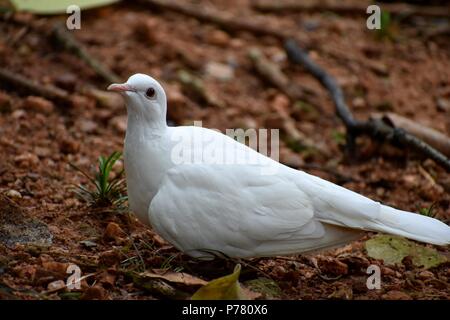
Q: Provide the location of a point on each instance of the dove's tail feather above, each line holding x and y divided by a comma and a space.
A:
336, 205
412, 226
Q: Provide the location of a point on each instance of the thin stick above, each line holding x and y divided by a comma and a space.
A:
352, 8
434, 138
64, 37
373, 127
270, 72
33, 87
138, 253
220, 18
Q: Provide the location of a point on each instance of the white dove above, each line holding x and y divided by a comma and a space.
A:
204, 208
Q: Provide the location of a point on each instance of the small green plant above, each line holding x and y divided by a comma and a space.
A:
167, 264
304, 106
429, 212
387, 27
108, 191
339, 137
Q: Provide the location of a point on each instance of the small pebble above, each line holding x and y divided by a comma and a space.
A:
5, 102
38, 104
26, 159
358, 102
237, 43
17, 114
443, 104
219, 71
13, 194
66, 81
69, 145
56, 285
219, 38
88, 126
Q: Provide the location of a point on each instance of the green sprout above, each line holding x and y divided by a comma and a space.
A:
386, 30
339, 137
429, 212
108, 191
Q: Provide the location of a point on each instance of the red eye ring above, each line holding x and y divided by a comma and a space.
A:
150, 93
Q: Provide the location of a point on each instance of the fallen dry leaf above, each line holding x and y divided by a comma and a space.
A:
224, 288
174, 277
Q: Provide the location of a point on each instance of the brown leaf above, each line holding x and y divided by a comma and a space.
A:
58, 268
174, 277
110, 257
107, 278
330, 266
396, 295
96, 292
157, 286
114, 233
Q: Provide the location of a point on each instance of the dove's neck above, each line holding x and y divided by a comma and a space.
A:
146, 162
150, 125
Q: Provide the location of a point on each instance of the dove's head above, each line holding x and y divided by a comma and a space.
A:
145, 98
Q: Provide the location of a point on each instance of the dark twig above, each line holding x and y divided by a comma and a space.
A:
32, 87
65, 38
351, 8
273, 74
62, 36
434, 138
373, 127
440, 31
299, 56
222, 19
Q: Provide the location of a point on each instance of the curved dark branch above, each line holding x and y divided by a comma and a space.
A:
373, 127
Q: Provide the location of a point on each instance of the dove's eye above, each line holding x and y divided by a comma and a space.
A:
150, 93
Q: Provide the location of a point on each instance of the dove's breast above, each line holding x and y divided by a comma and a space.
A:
145, 166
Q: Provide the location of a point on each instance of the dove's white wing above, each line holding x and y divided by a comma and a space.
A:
233, 209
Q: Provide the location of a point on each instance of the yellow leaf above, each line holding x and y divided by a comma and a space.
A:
224, 288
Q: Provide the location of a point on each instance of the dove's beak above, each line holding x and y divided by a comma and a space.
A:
122, 87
